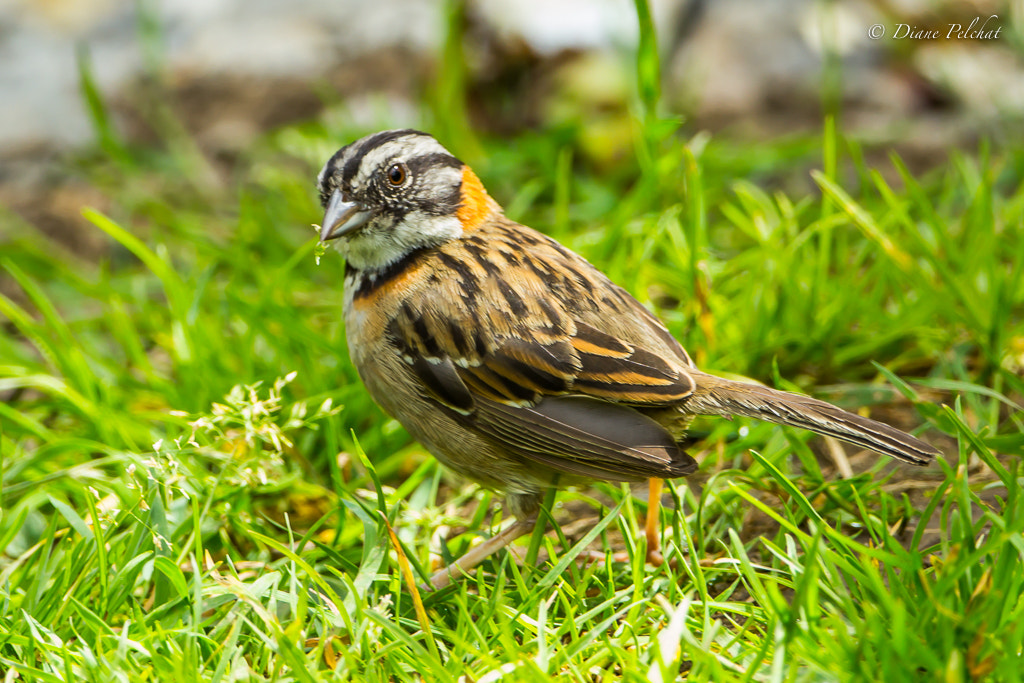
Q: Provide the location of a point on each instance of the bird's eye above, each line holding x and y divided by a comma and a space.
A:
396, 174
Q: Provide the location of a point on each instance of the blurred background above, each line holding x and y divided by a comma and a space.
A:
75, 73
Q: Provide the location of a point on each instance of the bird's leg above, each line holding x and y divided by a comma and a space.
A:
651, 526
461, 567
526, 509
654, 555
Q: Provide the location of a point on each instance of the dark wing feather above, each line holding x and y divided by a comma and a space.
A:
615, 370
444, 384
589, 437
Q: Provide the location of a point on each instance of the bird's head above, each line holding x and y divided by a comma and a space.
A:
396, 192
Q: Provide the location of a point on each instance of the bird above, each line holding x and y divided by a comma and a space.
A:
510, 358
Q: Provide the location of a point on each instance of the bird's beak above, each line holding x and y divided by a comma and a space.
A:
342, 218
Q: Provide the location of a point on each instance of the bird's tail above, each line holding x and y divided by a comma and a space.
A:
718, 396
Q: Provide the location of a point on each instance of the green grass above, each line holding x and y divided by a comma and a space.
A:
195, 484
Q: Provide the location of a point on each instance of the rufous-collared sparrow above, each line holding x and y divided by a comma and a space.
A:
512, 359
